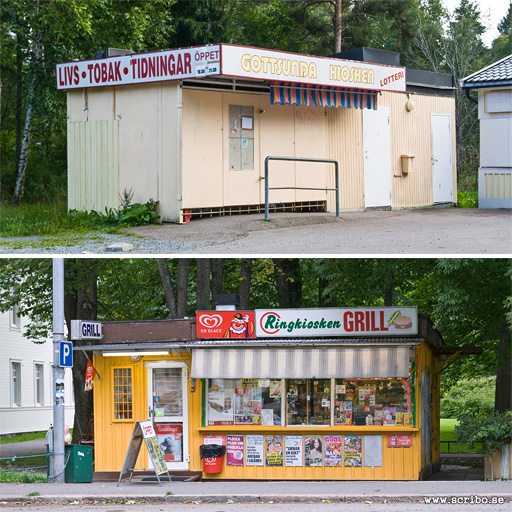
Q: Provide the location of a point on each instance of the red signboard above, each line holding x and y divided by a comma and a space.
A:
225, 324
170, 440
399, 440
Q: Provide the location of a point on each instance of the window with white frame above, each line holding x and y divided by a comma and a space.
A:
16, 383
39, 383
15, 320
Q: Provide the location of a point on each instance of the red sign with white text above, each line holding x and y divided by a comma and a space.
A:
399, 440
225, 324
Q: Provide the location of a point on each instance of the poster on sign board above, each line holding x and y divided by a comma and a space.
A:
353, 451
313, 455
254, 450
235, 450
274, 450
293, 451
332, 451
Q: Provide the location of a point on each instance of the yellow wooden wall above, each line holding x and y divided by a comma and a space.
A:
112, 436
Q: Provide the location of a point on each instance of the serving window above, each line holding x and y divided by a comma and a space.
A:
310, 402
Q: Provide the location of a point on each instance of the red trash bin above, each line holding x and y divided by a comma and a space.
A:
213, 457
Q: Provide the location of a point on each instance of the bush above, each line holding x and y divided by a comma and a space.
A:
492, 431
467, 199
469, 396
26, 477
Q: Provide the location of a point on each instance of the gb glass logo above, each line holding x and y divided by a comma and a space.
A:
210, 321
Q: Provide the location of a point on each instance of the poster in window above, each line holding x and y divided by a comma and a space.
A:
254, 450
293, 451
169, 438
313, 455
220, 404
273, 450
235, 450
353, 451
389, 415
332, 451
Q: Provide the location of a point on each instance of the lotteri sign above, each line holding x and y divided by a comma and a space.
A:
86, 330
295, 323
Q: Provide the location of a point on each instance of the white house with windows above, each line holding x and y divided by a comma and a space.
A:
26, 398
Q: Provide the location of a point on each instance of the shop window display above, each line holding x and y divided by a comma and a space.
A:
244, 402
369, 402
308, 402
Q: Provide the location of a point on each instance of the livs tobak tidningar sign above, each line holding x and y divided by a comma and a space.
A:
139, 68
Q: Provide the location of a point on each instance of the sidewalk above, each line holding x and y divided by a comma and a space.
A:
253, 491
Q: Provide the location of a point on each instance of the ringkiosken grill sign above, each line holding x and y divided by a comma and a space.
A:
386, 321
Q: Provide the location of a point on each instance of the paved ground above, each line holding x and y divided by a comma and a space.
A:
444, 231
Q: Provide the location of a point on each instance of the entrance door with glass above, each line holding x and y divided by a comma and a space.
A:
167, 403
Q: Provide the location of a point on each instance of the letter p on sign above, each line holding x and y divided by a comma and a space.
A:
66, 354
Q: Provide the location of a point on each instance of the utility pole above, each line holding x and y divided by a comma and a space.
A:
57, 464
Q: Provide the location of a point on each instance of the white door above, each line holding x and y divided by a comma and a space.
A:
377, 158
442, 174
167, 399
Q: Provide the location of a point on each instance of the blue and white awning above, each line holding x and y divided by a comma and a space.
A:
300, 363
318, 96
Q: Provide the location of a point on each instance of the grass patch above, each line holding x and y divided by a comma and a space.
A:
26, 477
448, 434
30, 436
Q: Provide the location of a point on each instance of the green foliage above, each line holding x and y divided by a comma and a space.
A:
467, 199
472, 395
492, 431
26, 477
23, 437
447, 433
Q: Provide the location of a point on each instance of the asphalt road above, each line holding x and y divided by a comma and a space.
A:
430, 231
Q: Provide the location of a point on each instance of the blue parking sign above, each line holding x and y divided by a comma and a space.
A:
66, 354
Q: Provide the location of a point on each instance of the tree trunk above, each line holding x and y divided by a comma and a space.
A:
245, 282
80, 303
203, 284
182, 286
288, 282
19, 95
19, 188
217, 278
168, 286
503, 399
337, 26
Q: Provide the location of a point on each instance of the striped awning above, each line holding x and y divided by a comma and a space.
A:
300, 363
314, 95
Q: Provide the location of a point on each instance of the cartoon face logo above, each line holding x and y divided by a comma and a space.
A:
241, 327
210, 321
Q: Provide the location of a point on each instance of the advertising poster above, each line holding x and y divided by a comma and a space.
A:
353, 451
332, 451
169, 439
235, 450
293, 451
220, 404
313, 455
225, 324
399, 440
148, 433
389, 415
247, 403
274, 450
254, 451
214, 439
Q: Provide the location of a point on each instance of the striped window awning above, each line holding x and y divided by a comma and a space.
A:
300, 363
317, 96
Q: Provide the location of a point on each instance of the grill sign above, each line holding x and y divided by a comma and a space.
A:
337, 322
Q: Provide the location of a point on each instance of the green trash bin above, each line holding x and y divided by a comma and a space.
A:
79, 463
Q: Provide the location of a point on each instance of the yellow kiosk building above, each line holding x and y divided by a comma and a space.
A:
305, 394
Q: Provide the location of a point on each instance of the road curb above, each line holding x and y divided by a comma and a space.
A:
453, 498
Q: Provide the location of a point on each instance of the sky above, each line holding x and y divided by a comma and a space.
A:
493, 12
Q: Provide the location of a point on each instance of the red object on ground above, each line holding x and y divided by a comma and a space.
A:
213, 464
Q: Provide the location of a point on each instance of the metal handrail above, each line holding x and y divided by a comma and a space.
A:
291, 159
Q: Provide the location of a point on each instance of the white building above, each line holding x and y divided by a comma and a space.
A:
26, 398
494, 86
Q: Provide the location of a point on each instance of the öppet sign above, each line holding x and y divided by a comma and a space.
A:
139, 68
386, 321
